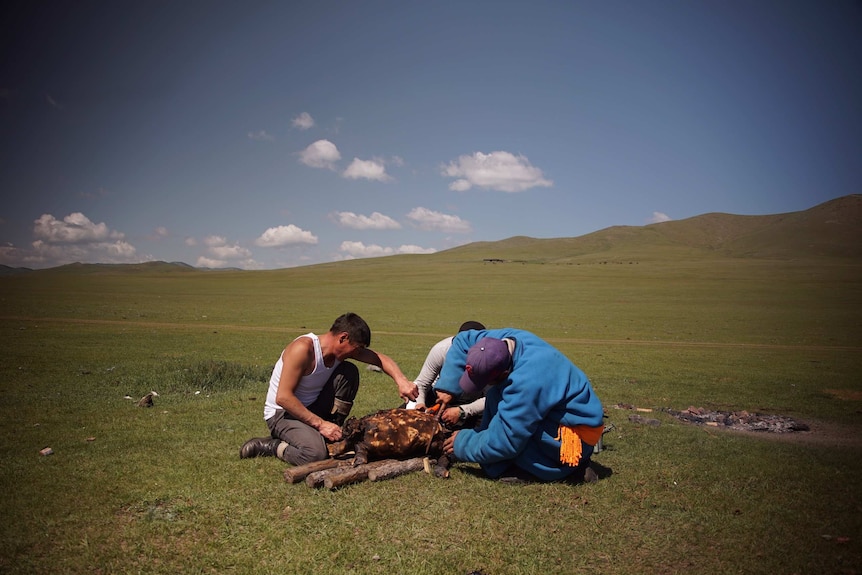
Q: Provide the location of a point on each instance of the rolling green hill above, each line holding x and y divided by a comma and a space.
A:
826, 231
831, 229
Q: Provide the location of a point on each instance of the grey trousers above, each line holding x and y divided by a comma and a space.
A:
304, 443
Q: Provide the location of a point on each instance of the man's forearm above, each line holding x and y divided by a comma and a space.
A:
295, 409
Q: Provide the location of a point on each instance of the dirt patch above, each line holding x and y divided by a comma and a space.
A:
739, 420
820, 434
845, 394
765, 426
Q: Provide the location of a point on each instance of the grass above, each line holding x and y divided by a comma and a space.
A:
162, 490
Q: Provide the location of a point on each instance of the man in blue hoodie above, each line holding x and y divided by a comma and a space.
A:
542, 417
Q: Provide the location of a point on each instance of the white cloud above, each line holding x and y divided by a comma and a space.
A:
360, 250
73, 239
230, 252
281, 236
412, 249
246, 264
214, 241
10, 255
320, 154
118, 252
376, 221
658, 217
205, 262
501, 171
303, 121
366, 169
159, 233
426, 219
460, 186
219, 247
74, 228
261, 136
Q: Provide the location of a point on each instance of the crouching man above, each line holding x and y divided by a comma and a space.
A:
542, 417
312, 389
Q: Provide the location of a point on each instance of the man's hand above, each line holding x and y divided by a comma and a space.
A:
330, 431
408, 390
452, 415
444, 398
449, 444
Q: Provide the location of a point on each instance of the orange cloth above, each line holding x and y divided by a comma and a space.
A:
570, 437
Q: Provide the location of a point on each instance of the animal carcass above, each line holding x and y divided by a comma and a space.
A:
396, 434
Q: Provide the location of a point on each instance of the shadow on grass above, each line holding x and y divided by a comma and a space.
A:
515, 475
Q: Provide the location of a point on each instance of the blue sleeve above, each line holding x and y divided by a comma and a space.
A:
521, 406
544, 390
456, 361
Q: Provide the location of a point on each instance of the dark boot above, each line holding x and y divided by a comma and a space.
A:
259, 447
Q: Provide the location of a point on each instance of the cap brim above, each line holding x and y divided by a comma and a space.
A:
468, 385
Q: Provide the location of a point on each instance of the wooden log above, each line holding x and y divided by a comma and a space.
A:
352, 474
316, 478
300, 472
396, 468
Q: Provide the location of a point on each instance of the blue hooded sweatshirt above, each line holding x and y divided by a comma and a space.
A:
523, 413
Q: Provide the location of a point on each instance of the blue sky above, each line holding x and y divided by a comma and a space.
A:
264, 135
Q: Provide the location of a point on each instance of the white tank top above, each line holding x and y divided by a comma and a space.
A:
309, 386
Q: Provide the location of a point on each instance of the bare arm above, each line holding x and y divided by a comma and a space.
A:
406, 388
297, 360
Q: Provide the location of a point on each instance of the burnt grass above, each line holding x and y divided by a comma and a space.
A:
739, 420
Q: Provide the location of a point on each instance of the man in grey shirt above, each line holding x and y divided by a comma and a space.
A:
468, 410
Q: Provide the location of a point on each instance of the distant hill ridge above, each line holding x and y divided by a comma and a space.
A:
832, 230
829, 230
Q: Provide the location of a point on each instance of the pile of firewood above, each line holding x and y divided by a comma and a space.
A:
335, 473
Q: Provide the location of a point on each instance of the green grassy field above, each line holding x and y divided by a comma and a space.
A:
162, 490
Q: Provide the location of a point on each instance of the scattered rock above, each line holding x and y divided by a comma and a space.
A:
631, 407
739, 420
147, 400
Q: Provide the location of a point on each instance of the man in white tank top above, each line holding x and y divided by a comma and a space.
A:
312, 388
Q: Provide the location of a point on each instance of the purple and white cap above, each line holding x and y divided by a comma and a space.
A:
487, 360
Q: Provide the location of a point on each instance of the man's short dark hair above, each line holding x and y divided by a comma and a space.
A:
470, 325
357, 330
